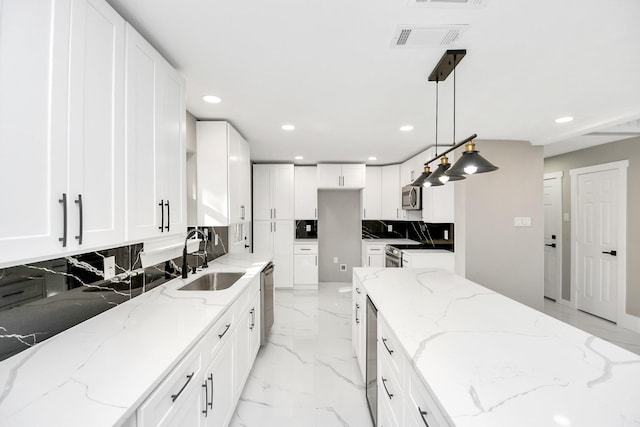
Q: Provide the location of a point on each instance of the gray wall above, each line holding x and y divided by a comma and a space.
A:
490, 250
623, 150
339, 234
191, 171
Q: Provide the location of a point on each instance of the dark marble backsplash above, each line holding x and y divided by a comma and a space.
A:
306, 229
40, 300
438, 235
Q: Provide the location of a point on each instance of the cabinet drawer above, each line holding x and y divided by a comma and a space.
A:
389, 387
375, 249
420, 405
390, 348
305, 249
168, 397
219, 334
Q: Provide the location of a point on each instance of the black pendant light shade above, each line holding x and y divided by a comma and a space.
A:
434, 180
471, 162
423, 176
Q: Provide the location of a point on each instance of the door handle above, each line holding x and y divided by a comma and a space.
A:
612, 253
168, 215
161, 204
79, 203
63, 239
552, 245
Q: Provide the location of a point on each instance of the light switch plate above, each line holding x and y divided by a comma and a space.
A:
335, 259
566, 217
109, 267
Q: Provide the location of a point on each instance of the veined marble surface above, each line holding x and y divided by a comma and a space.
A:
491, 361
98, 372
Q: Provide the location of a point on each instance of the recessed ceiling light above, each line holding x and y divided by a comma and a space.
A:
406, 128
288, 127
566, 119
212, 99
373, 158
299, 157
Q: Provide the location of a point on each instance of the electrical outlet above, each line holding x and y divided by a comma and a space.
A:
109, 267
389, 228
308, 227
215, 241
566, 217
343, 267
446, 234
335, 259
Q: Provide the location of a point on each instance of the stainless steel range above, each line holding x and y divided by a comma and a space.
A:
393, 256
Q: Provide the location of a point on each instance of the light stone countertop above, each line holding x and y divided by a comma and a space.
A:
491, 361
391, 241
427, 251
98, 372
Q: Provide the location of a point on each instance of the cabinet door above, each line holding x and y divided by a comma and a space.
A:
329, 176
305, 269
375, 260
262, 209
306, 192
254, 342
235, 167
96, 125
263, 237
222, 397
353, 176
190, 411
283, 253
33, 124
390, 192
171, 149
245, 180
143, 212
372, 194
243, 353
282, 191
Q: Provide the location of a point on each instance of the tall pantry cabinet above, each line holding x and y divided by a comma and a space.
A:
273, 222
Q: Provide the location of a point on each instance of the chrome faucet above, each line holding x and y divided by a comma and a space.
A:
185, 266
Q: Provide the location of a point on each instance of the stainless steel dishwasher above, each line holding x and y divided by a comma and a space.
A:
372, 360
266, 301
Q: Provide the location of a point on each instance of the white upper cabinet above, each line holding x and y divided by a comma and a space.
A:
372, 194
34, 52
223, 175
62, 109
345, 176
306, 192
391, 192
438, 202
155, 143
273, 191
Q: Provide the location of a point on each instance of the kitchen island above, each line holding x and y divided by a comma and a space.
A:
101, 371
486, 360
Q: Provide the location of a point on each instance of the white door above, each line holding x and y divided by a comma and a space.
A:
329, 176
552, 236
33, 126
263, 237
353, 176
283, 253
596, 243
305, 269
306, 192
282, 191
390, 192
235, 171
262, 209
96, 125
372, 194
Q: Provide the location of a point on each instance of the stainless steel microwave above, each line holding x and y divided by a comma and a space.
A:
412, 197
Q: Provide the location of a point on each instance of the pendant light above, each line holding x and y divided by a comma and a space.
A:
471, 162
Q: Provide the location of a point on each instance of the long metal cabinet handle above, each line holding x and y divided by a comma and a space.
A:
357, 308
364, 212
369, 262
384, 384
175, 396
252, 317
274, 227
315, 212
384, 341
79, 203
63, 239
275, 213
422, 415
161, 204
316, 260
225, 331
168, 214
210, 382
242, 214
205, 411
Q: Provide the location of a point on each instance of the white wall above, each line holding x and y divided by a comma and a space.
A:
496, 254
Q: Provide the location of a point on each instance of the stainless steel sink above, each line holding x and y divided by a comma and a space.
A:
213, 282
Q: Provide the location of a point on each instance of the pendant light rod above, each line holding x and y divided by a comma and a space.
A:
458, 145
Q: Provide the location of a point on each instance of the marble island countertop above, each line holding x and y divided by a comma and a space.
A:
98, 372
490, 361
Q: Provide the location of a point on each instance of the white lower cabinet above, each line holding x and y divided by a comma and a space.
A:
429, 259
204, 387
359, 326
373, 254
305, 264
276, 238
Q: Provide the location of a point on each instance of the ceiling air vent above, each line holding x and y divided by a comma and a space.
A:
421, 37
448, 3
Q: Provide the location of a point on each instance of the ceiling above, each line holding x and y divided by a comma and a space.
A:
332, 69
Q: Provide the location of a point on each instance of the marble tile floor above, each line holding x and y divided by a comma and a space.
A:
594, 325
306, 375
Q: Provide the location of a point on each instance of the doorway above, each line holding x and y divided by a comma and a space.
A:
553, 236
598, 256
